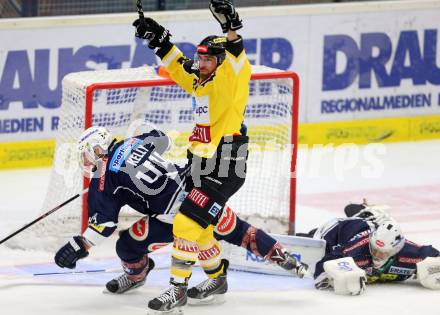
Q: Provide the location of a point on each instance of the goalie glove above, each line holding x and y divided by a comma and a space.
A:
69, 254
343, 275
428, 273
153, 32
226, 9
375, 214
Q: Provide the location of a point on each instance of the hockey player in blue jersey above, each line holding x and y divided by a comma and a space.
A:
133, 172
369, 247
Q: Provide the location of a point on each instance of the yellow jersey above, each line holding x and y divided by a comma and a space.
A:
219, 102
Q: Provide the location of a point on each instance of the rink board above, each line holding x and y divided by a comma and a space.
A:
307, 250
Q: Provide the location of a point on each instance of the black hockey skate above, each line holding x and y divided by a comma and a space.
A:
210, 291
122, 284
171, 301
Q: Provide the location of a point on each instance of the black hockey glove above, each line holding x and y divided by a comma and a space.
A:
227, 9
153, 32
286, 261
74, 250
221, 18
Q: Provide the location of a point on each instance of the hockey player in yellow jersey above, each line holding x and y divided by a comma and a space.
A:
218, 81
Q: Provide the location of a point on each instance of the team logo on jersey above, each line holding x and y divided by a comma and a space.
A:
201, 134
198, 197
227, 222
155, 246
139, 230
93, 219
215, 209
200, 107
122, 152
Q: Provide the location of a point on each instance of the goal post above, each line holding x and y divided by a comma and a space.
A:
258, 74
129, 101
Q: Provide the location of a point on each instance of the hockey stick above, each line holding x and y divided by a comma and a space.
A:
140, 9
27, 275
73, 272
43, 216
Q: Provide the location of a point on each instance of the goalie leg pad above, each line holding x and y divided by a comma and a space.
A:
346, 276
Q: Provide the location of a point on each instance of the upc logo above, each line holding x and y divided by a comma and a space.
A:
201, 110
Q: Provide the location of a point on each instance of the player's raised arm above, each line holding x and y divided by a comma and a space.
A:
158, 37
224, 12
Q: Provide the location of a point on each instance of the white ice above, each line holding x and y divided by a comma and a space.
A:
403, 175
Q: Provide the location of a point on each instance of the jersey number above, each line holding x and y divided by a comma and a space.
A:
151, 165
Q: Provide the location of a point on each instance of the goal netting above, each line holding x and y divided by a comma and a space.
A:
130, 101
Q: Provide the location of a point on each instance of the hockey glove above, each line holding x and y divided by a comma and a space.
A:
74, 250
221, 18
227, 9
428, 273
344, 275
286, 261
153, 32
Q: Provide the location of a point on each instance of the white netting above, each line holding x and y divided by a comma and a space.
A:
126, 112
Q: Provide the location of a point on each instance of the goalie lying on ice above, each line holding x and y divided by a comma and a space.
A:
370, 248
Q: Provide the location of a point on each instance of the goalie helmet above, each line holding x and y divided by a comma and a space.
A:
92, 144
212, 46
385, 242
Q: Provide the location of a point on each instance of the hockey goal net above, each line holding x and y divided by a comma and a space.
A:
127, 101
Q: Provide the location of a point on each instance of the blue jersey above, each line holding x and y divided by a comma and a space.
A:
134, 173
350, 238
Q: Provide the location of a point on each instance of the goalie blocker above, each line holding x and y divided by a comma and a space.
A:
428, 273
343, 275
